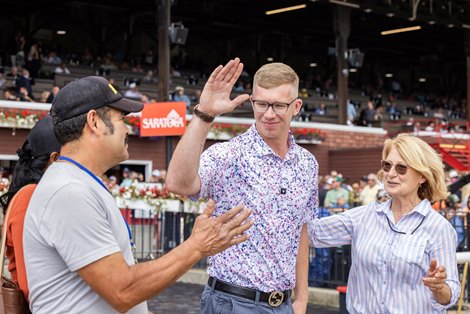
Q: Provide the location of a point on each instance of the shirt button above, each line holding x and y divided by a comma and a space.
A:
385, 263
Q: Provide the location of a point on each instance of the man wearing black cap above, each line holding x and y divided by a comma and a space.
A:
78, 247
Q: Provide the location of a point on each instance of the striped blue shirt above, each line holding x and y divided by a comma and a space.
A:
388, 267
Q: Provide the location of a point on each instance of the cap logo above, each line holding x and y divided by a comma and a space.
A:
112, 88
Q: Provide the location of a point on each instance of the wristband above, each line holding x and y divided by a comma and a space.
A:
202, 115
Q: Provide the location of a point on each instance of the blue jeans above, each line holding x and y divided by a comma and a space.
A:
216, 302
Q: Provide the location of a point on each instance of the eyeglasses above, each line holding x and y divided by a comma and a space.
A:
399, 168
278, 107
401, 232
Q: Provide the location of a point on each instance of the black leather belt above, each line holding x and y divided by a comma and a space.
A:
274, 298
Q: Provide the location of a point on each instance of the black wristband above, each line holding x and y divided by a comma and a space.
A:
202, 115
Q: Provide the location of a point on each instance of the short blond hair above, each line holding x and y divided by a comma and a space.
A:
276, 74
421, 157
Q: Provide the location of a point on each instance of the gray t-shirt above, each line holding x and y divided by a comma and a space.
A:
71, 222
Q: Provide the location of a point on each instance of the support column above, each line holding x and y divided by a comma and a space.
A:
163, 20
467, 54
342, 27
163, 17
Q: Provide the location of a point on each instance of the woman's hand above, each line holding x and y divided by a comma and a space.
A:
435, 280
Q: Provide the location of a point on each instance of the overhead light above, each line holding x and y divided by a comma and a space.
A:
388, 75
368, 10
421, 80
431, 22
61, 32
286, 9
347, 4
401, 30
450, 25
466, 26
270, 59
390, 14
313, 64
353, 70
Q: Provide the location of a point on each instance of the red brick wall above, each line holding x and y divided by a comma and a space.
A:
352, 158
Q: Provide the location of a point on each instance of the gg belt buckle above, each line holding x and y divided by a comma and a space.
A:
275, 298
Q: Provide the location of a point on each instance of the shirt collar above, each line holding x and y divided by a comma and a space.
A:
422, 208
261, 148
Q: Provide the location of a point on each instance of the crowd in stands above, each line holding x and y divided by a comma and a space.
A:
138, 79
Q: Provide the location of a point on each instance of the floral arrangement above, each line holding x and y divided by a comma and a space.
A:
20, 118
308, 134
133, 122
148, 193
25, 118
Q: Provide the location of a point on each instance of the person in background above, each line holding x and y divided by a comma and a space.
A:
403, 252
180, 96
40, 149
369, 192
335, 192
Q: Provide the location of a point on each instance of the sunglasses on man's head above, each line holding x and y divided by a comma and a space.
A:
399, 168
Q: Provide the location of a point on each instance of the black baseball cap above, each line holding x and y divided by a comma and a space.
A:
91, 92
41, 138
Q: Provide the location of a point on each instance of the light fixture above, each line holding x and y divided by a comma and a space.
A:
347, 4
431, 22
422, 80
286, 9
368, 10
466, 26
450, 25
61, 32
390, 14
313, 64
401, 30
270, 59
388, 75
352, 70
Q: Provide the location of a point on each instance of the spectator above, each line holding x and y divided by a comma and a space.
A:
369, 193
62, 69
336, 192
44, 96
149, 77
321, 111
23, 95
8, 94
180, 96
351, 113
133, 91
24, 81
3, 81
367, 115
54, 91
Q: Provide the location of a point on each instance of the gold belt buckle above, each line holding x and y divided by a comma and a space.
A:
275, 298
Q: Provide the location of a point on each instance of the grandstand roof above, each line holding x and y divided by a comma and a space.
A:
239, 27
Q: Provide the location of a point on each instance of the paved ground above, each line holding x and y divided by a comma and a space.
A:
183, 298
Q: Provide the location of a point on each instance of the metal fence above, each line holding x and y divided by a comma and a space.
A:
156, 234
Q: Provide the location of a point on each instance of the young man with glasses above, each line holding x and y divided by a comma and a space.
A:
265, 170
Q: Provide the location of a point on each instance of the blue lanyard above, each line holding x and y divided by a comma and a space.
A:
79, 165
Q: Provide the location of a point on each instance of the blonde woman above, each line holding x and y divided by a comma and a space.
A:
403, 251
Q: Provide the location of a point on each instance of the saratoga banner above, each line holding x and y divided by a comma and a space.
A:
163, 119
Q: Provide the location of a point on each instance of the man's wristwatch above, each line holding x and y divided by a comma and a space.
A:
202, 115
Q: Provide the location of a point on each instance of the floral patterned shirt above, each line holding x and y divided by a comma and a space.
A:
283, 195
